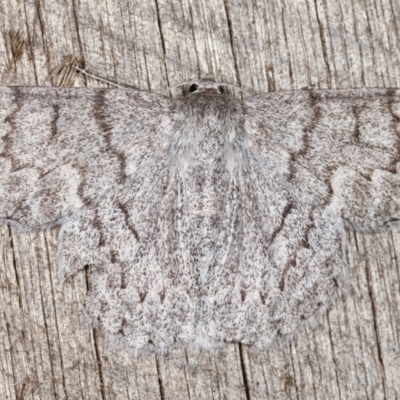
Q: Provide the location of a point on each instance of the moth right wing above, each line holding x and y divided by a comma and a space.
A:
317, 161
342, 149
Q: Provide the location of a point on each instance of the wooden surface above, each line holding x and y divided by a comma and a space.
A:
47, 351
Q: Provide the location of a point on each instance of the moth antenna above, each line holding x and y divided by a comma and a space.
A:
84, 72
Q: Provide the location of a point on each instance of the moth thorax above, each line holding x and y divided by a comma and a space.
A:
210, 145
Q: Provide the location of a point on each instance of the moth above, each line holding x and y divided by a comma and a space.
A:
204, 219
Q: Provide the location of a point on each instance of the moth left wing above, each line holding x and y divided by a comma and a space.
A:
61, 149
144, 289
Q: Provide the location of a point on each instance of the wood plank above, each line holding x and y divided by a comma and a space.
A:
46, 348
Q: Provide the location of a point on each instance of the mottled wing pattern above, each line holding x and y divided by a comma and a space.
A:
61, 149
343, 149
318, 161
143, 288
204, 219
96, 163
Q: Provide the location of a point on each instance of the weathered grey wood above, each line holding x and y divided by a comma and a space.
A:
46, 348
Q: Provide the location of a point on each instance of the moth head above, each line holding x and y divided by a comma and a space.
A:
206, 85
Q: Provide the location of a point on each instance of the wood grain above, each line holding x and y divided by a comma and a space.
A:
47, 351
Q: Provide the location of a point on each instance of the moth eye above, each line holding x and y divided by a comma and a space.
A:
193, 88
221, 89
